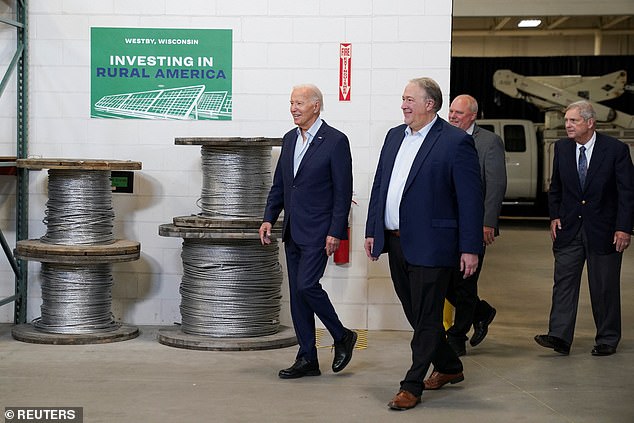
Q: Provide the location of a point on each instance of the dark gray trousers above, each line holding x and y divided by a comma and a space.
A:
604, 274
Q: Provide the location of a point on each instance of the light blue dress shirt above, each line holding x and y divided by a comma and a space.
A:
301, 146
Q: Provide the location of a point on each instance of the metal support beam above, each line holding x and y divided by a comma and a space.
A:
537, 32
598, 38
19, 68
614, 22
558, 22
502, 23
22, 195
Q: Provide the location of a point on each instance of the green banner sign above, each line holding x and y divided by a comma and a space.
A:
157, 73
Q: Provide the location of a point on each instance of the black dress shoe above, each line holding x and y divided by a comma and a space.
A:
300, 368
557, 344
343, 351
481, 328
458, 345
603, 349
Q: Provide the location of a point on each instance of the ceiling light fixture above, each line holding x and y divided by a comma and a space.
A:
529, 23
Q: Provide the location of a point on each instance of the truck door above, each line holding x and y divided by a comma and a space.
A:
521, 158
519, 170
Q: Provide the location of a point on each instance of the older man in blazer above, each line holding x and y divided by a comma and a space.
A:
425, 211
591, 202
313, 185
463, 293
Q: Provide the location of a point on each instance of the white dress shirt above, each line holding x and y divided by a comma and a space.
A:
402, 166
589, 147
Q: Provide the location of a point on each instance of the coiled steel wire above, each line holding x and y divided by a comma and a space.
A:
230, 288
79, 209
236, 181
76, 298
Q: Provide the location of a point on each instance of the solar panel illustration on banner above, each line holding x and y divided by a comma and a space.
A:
175, 103
215, 104
149, 73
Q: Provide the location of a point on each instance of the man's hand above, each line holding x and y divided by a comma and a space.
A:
265, 233
555, 225
621, 240
332, 245
468, 264
488, 234
368, 246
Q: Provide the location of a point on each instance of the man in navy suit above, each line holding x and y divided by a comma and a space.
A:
591, 202
426, 212
313, 185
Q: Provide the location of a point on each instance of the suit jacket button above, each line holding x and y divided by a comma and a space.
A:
583, 201
579, 217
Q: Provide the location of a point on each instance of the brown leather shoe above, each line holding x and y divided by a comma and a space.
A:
404, 400
437, 380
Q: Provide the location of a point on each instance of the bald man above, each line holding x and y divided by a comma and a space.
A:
463, 292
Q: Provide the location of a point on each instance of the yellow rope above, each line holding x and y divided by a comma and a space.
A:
324, 340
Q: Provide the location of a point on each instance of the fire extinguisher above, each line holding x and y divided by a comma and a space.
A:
342, 255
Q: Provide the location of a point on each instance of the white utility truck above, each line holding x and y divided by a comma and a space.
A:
529, 147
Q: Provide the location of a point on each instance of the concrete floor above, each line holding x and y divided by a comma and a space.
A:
508, 378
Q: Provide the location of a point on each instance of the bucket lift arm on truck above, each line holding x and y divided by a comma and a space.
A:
554, 93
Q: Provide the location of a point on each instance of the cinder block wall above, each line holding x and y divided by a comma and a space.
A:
276, 44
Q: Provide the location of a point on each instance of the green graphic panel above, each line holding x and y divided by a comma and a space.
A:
158, 73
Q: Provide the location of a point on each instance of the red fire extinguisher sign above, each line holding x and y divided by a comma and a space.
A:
345, 71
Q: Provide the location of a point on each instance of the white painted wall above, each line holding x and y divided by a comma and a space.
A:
277, 44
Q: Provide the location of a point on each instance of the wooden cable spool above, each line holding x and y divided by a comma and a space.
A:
216, 230
83, 255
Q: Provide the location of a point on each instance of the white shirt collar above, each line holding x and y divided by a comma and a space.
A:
424, 130
590, 142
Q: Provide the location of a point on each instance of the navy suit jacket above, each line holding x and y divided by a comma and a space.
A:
604, 205
441, 210
317, 200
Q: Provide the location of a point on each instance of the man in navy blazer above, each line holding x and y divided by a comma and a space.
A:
591, 202
426, 212
313, 185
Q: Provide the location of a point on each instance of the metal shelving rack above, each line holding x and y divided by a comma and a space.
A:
19, 66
